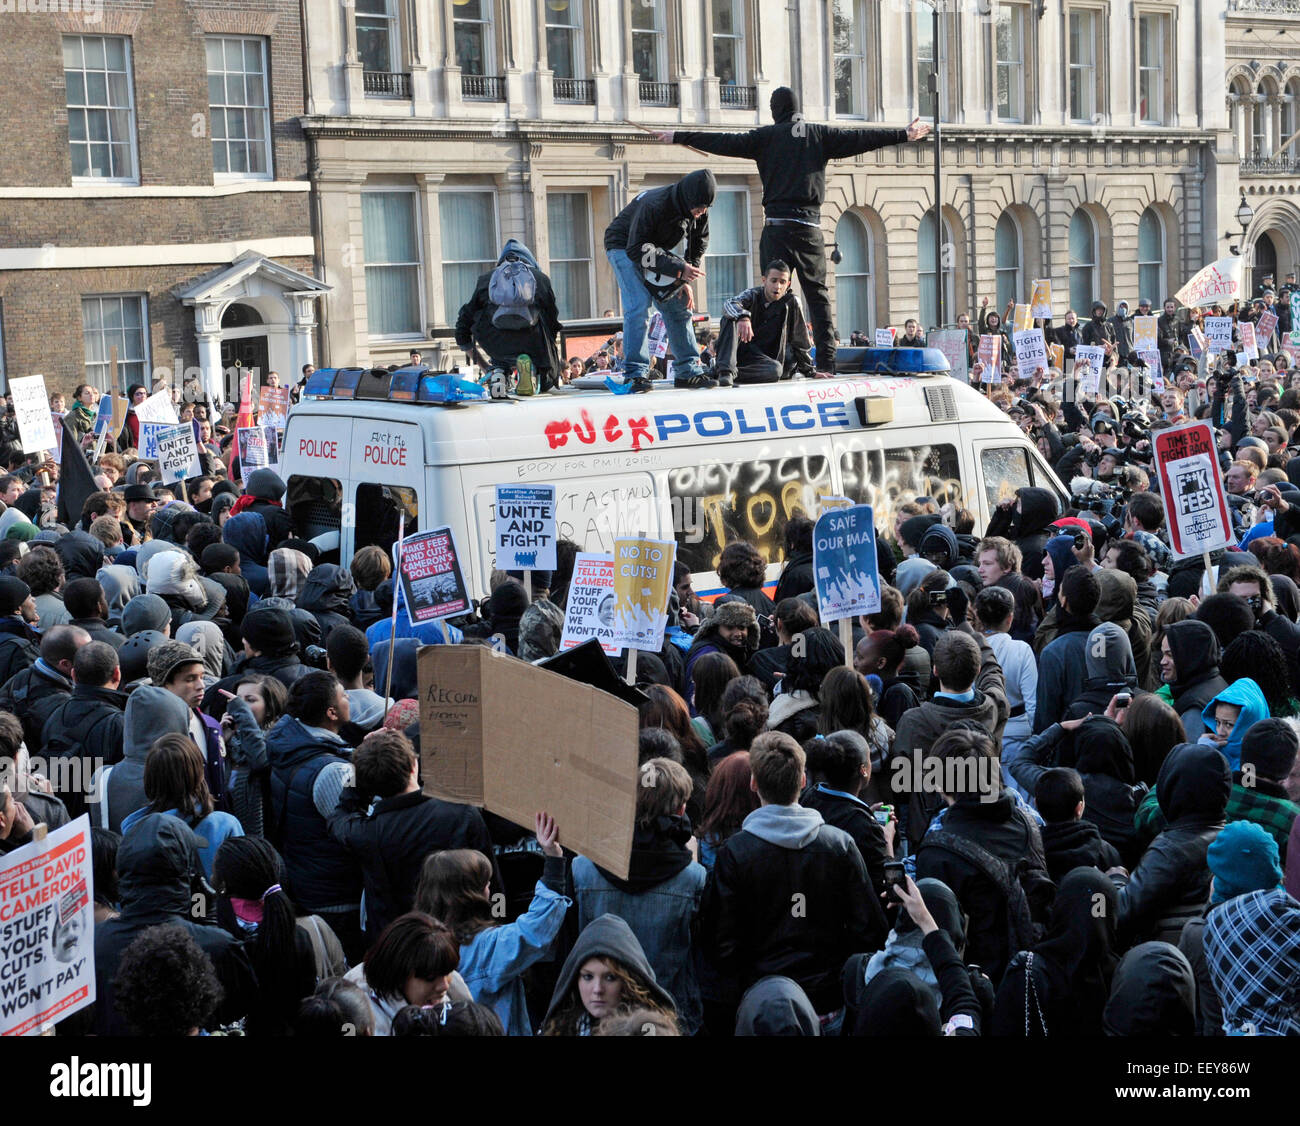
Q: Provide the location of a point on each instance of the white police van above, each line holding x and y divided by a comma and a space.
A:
703, 467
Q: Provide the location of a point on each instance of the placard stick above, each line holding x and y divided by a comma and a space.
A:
446, 632
1209, 576
528, 585
846, 640
392, 624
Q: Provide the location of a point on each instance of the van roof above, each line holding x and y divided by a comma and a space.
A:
573, 421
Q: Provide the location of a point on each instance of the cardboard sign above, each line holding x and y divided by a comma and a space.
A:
1218, 334
1031, 352
657, 336
1022, 319
104, 413
1056, 355
1248, 346
643, 576
1265, 327
274, 407
1196, 343
1088, 361
149, 432
1154, 369
32, 408
525, 527
259, 446
990, 355
952, 342
1192, 487
502, 734
178, 453
1219, 283
1040, 301
1144, 334
589, 609
158, 407
845, 567
47, 931
885, 337
432, 582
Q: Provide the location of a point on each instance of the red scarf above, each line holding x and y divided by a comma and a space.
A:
247, 501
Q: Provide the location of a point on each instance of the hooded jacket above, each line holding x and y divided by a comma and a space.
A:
327, 595
32, 695
121, 584
158, 868
780, 852
1252, 947
1153, 993
903, 949
1030, 528
1061, 665
661, 218
1108, 663
1248, 696
150, 712
1119, 604
792, 155
82, 555
1195, 651
606, 937
247, 534
1076, 844
503, 345
88, 725
267, 490
1104, 759
173, 577
776, 1006
1171, 883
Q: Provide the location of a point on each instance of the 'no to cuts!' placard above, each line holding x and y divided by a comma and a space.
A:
1192, 487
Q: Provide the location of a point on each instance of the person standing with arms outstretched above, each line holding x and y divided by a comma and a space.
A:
791, 157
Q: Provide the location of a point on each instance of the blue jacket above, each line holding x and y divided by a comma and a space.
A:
211, 831
661, 919
1248, 696
429, 633
493, 963
1062, 672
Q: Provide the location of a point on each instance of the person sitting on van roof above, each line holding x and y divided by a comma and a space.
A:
528, 325
763, 332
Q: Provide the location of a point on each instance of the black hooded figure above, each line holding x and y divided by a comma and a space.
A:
655, 245
791, 157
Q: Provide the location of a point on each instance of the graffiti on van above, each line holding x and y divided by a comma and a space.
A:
744, 500
888, 479
594, 518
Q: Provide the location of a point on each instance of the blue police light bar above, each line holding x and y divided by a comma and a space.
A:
345, 383
904, 361
437, 387
404, 382
319, 383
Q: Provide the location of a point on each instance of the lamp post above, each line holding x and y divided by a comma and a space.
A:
936, 57
1245, 216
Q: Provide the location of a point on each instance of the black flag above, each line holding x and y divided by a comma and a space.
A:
76, 481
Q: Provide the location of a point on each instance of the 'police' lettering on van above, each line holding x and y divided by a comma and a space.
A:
386, 449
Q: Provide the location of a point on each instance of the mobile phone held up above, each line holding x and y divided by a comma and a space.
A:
895, 874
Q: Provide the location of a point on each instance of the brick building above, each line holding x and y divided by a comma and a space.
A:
153, 190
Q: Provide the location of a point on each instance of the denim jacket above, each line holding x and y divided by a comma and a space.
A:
661, 918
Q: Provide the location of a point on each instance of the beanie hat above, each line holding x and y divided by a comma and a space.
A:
217, 557
265, 484
145, 611
1270, 744
165, 659
269, 631
402, 714
914, 528
1243, 858
13, 593
22, 531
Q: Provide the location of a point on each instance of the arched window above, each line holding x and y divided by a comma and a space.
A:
1243, 113
1084, 283
1290, 116
1008, 252
928, 310
1151, 257
855, 306
1263, 139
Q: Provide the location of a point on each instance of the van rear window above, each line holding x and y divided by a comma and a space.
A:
886, 479
717, 502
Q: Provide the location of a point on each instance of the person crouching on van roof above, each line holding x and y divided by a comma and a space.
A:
763, 332
506, 320
656, 244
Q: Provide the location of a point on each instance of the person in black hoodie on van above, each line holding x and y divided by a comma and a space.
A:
1028, 521
791, 156
655, 245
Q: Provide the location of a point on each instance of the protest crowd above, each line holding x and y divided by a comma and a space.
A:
1048, 789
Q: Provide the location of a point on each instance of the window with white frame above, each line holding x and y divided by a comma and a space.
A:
473, 20
390, 232
1084, 24
855, 306
564, 38
470, 244
239, 106
1009, 37
101, 107
849, 45
727, 267
928, 311
377, 35
1085, 287
115, 321
568, 219
1008, 259
650, 40
1153, 35
1151, 256
729, 42
1261, 142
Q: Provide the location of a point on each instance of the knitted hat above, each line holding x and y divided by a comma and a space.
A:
13, 593
22, 531
269, 631
1243, 858
166, 658
265, 484
402, 714
145, 611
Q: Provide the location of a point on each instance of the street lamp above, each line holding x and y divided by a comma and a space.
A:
1245, 216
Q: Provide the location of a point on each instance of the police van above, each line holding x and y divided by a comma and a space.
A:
702, 467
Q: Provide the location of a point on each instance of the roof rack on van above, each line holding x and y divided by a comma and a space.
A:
405, 385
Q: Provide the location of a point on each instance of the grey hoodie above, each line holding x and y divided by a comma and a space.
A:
121, 584
776, 1006
789, 826
150, 712
1109, 656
